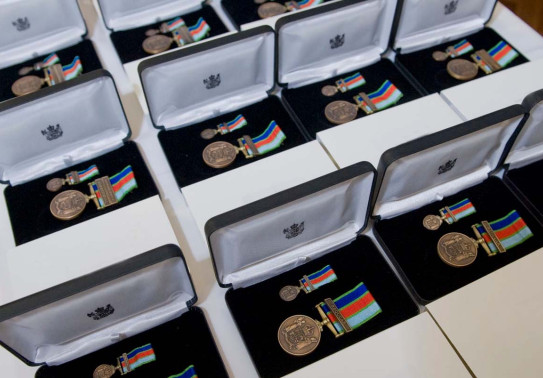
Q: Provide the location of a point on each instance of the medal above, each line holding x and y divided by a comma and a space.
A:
300, 335
496, 58
272, 9
47, 62
309, 283
344, 85
189, 372
461, 69
127, 362
225, 127
72, 178
461, 48
449, 214
181, 35
105, 192
222, 154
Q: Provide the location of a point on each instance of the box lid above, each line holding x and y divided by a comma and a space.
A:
34, 28
83, 315
528, 146
332, 39
425, 23
280, 232
430, 168
128, 14
59, 126
210, 78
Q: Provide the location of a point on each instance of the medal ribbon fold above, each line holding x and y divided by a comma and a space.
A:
510, 230
351, 82
268, 141
136, 358
461, 48
306, 4
235, 124
72, 70
83, 175
458, 211
357, 307
50, 60
503, 53
189, 372
387, 95
123, 183
319, 278
176, 23
200, 30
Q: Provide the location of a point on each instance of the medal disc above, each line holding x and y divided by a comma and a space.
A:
288, 293
54, 185
219, 154
339, 112
270, 9
462, 69
156, 44
208, 133
440, 56
26, 85
104, 371
329, 90
299, 335
68, 204
432, 222
456, 249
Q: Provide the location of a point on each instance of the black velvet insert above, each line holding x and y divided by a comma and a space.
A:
433, 76
259, 311
414, 247
128, 42
244, 11
308, 102
184, 146
177, 344
85, 50
523, 179
28, 203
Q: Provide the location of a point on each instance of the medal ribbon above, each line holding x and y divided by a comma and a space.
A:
320, 278
235, 124
83, 175
72, 70
123, 183
387, 95
461, 48
503, 53
268, 141
351, 82
198, 32
50, 60
187, 373
308, 3
511, 230
459, 210
176, 23
357, 307
138, 357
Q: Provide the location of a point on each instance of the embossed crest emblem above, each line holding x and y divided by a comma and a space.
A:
21, 24
213, 81
52, 132
337, 41
102, 312
451, 7
447, 166
294, 230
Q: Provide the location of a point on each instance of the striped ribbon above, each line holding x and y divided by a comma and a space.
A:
235, 124
319, 278
511, 230
268, 141
187, 373
351, 82
458, 211
50, 60
73, 69
308, 3
387, 95
176, 23
83, 175
503, 53
197, 32
461, 48
123, 183
138, 357
357, 307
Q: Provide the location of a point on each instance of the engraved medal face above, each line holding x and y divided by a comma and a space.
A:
270, 9
299, 335
26, 85
208, 133
456, 249
219, 154
339, 112
54, 185
432, 222
329, 90
440, 56
156, 44
288, 293
462, 69
104, 371
68, 204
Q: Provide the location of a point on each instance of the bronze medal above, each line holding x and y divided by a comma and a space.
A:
299, 335
26, 85
432, 222
456, 249
267, 10
68, 204
289, 293
220, 154
55, 184
462, 69
339, 112
208, 133
156, 44
440, 56
104, 371
329, 90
